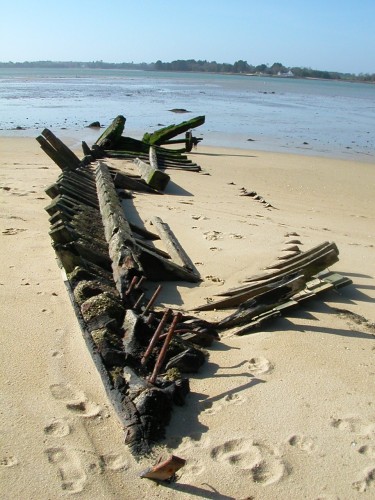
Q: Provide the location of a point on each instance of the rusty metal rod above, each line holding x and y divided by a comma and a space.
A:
143, 278
152, 300
140, 298
132, 285
156, 335
163, 352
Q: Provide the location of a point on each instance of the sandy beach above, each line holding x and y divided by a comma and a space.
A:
284, 413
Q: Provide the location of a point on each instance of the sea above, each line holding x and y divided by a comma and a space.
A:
279, 114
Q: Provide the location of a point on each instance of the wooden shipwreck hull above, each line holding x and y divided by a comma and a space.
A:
113, 275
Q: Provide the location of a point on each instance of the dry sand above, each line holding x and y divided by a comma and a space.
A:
287, 412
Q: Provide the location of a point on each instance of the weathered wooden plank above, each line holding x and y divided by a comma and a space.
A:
123, 250
237, 299
175, 250
62, 149
304, 256
55, 156
262, 303
158, 268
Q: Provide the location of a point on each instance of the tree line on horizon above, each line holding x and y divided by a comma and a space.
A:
192, 65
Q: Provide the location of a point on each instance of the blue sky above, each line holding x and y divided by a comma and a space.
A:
337, 35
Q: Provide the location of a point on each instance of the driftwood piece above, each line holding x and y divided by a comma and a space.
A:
112, 133
177, 253
166, 133
324, 282
153, 177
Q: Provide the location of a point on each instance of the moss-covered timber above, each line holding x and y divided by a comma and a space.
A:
164, 134
112, 133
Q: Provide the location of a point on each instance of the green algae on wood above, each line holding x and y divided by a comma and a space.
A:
166, 133
112, 133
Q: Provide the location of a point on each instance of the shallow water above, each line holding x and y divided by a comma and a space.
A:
318, 117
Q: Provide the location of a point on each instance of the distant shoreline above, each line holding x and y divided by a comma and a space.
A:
242, 68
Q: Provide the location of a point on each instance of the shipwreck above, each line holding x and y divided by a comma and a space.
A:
114, 274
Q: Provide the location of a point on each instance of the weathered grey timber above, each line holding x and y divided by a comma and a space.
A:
62, 149
123, 250
153, 177
53, 154
175, 250
153, 158
298, 259
307, 264
262, 303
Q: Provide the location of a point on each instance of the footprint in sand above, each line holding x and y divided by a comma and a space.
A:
214, 279
57, 428
8, 461
367, 481
255, 458
235, 399
366, 429
114, 462
70, 469
259, 365
354, 425
65, 391
76, 401
213, 235
367, 450
87, 409
75, 466
228, 400
302, 443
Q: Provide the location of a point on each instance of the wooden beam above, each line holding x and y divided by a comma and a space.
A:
153, 177
112, 133
175, 250
166, 133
